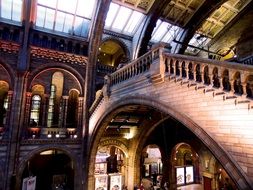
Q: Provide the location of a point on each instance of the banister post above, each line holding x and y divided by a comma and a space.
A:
106, 87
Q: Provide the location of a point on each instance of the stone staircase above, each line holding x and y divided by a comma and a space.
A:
221, 118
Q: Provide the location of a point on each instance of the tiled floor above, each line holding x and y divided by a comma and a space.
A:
191, 187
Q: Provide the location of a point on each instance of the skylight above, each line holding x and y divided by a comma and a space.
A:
165, 32
72, 17
122, 19
11, 9
199, 41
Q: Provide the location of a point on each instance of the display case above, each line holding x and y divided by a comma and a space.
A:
180, 175
189, 178
116, 181
101, 182
185, 175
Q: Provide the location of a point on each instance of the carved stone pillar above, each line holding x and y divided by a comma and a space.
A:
244, 89
64, 111
231, 82
27, 109
45, 110
80, 112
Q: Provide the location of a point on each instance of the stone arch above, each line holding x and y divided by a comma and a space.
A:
75, 75
10, 74
232, 168
115, 143
32, 153
32, 75
120, 42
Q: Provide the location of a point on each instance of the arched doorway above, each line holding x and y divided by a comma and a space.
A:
51, 169
185, 163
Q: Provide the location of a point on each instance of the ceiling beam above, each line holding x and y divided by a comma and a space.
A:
145, 36
207, 8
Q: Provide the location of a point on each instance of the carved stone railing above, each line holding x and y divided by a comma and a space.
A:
226, 77
99, 97
209, 75
137, 67
58, 56
105, 69
9, 47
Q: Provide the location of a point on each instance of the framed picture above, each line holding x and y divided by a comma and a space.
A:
101, 182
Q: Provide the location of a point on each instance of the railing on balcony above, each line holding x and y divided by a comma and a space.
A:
232, 79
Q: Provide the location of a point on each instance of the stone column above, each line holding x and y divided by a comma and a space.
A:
45, 110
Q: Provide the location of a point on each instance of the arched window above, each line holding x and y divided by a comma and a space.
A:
4, 87
35, 110
54, 106
51, 106
72, 109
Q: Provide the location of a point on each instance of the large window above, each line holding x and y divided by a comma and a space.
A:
197, 43
122, 19
51, 106
165, 32
11, 9
35, 110
72, 17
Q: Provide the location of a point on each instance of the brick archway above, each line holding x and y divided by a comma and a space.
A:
227, 162
29, 156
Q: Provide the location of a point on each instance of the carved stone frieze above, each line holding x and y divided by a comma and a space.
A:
9, 47
58, 56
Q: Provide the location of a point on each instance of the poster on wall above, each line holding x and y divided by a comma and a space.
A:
29, 183
101, 182
115, 182
180, 176
189, 174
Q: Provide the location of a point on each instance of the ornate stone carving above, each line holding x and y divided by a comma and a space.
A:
58, 56
9, 47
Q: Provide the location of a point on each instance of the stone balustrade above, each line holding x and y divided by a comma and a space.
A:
202, 73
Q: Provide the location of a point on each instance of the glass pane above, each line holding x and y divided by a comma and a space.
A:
48, 3
171, 34
49, 23
17, 6
85, 8
85, 28
134, 21
121, 18
111, 14
6, 9
158, 35
78, 26
41, 13
67, 5
59, 22
68, 23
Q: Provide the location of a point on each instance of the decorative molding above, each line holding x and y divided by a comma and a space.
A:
50, 141
9, 47
58, 56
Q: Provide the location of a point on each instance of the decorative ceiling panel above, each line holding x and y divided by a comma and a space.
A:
143, 5
221, 17
178, 12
